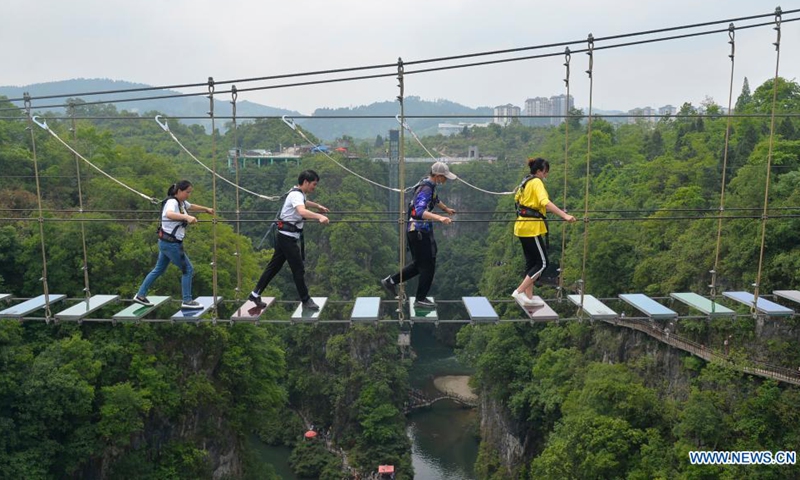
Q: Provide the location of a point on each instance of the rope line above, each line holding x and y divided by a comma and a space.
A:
764, 216
47, 312
589, 72
560, 287
238, 253
290, 123
401, 218
211, 88
85, 266
164, 126
446, 157
44, 126
715, 269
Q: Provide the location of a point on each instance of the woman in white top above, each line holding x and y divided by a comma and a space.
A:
174, 219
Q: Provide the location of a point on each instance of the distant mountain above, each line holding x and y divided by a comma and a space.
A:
371, 127
197, 106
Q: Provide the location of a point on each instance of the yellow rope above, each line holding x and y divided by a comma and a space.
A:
715, 269
769, 156
588, 159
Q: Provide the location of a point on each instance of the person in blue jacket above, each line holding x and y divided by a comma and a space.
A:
421, 241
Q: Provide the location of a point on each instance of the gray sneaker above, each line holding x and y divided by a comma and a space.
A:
310, 305
191, 305
390, 287
425, 304
142, 300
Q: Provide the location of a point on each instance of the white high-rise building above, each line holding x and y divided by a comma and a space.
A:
538, 106
504, 114
560, 106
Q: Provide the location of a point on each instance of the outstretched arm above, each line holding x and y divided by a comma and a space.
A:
551, 207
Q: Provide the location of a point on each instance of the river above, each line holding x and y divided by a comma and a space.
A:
444, 445
443, 441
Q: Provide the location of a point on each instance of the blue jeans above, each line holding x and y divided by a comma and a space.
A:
170, 252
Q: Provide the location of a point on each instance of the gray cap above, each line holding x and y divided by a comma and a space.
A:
441, 168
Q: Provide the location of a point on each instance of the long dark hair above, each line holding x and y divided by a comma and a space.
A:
538, 163
180, 186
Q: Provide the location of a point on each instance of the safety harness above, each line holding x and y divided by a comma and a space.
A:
170, 236
283, 225
412, 209
530, 212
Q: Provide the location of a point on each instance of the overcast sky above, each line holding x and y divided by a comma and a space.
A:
162, 42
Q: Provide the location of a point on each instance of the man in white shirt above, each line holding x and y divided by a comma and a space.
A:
290, 223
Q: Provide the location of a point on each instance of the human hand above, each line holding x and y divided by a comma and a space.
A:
323, 219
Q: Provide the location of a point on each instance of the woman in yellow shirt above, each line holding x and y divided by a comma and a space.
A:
533, 203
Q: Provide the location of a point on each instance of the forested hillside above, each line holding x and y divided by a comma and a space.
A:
579, 400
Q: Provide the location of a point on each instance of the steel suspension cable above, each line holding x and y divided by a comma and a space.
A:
238, 252
85, 266
560, 287
715, 269
415, 62
45, 289
214, 198
769, 156
589, 72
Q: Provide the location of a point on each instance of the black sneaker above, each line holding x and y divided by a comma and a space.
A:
390, 287
425, 303
310, 305
257, 301
192, 305
142, 300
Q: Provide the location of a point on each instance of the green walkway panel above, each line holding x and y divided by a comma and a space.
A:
479, 309
29, 306
249, 312
648, 306
420, 314
712, 309
793, 295
763, 305
304, 315
186, 315
366, 309
137, 311
593, 307
85, 307
542, 313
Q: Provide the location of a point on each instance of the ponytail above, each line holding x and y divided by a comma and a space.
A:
176, 187
538, 163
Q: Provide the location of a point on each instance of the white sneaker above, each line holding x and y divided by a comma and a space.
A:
525, 301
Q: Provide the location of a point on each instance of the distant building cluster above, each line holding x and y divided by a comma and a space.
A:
539, 111
553, 111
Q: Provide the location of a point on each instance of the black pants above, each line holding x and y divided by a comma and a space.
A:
535, 255
287, 249
423, 263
